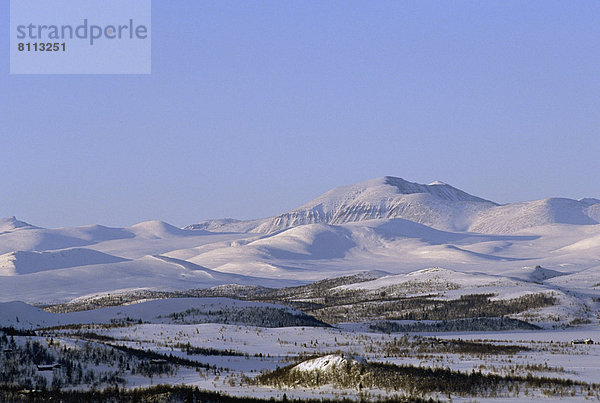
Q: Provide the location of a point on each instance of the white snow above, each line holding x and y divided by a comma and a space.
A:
23, 262
11, 224
387, 224
329, 362
21, 315
438, 205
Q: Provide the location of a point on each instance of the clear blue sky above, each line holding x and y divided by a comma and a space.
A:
255, 107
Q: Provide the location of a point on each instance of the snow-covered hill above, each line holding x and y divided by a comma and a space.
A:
22, 262
329, 363
518, 216
158, 229
148, 272
177, 310
18, 236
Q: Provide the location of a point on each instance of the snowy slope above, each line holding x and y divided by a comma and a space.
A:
585, 279
149, 272
439, 279
573, 297
518, 216
316, 241
21, 262
330, 362
319, 250
30, 238
22, 315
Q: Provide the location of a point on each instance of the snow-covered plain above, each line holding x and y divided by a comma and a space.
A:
546, 353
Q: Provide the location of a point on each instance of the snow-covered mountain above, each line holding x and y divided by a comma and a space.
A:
436, 205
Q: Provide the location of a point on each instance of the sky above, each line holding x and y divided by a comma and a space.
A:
256, 107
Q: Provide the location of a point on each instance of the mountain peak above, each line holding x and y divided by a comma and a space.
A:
438, 205
436, 188
11, 223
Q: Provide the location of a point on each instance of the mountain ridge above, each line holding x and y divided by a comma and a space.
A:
438, 205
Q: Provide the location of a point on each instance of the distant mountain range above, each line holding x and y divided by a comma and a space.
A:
437, 205
387, 227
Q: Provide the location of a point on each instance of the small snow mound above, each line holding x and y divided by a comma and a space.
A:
437, 183
329, 363
156, 229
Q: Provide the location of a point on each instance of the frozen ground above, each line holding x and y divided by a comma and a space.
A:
251, 350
